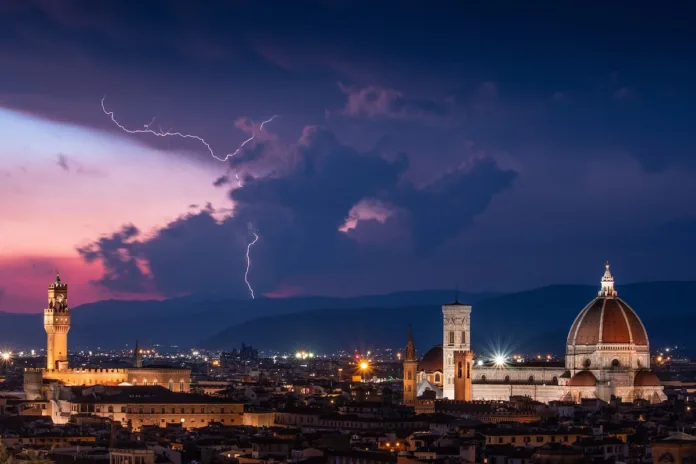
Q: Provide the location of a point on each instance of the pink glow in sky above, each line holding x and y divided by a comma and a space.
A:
62, 186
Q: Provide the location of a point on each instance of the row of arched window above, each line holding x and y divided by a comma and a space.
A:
170, 384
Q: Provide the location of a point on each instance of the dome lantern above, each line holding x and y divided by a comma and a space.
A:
607, 290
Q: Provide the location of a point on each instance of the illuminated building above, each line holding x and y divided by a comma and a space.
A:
607, 354
57, 325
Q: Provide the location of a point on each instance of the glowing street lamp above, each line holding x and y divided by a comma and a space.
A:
364, 365
499, 360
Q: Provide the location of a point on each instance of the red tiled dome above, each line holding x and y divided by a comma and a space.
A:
607, 319
583, 379
646, 379
432, 361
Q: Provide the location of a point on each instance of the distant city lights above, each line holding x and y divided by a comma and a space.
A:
6, 356
303, 355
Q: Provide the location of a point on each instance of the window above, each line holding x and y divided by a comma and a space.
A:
468, 370
513, 439
451, 337
459, 370
463, 337
409, 375
539, 439
483, 378
438, 379
507, 379
111, 409
171, 385
531, 379
144, 381
181, 385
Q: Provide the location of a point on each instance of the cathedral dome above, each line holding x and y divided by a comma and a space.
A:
583, 379
607, 319
647, 379
432, 360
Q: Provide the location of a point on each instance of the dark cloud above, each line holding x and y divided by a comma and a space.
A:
119, 254
299, 212
379, 102
63, 162
222, 180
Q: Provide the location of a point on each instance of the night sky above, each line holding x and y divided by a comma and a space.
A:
496, 146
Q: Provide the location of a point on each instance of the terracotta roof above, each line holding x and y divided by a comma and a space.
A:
583, 379
432, 361
607, 320
646, 379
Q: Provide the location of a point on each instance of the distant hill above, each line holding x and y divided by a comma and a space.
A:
536, 320
185, 321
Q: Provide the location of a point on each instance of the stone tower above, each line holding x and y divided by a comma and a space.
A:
462, 375
137, 356
57, 325
456, 321
410, 371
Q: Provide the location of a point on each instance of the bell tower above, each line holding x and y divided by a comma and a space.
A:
456, 318
410, 371
57, 325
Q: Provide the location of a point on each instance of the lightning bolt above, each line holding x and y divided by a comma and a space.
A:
248, 258
170, 133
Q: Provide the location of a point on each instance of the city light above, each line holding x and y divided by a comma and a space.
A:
303, 355
364, 365
499, 360
6, 356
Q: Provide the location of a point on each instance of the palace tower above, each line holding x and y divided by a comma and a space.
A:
57, 325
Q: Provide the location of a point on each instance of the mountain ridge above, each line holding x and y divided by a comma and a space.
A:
520, 319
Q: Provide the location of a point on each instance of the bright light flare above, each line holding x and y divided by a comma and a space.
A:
6, 356
499, 360
364, 365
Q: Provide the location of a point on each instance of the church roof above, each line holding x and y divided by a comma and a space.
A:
432, 361
646, 379
583, 379
607, 319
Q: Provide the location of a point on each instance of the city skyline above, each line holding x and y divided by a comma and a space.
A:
496, 150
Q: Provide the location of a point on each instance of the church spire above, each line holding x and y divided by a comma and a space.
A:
410, 353
607, 290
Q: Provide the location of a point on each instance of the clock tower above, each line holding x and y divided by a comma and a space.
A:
57, 325
456, 341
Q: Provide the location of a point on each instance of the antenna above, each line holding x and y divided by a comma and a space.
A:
456, 292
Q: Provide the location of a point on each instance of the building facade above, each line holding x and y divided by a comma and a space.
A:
607, 354
57, 321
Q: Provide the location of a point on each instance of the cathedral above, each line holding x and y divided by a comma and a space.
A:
38, 382
607, 354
